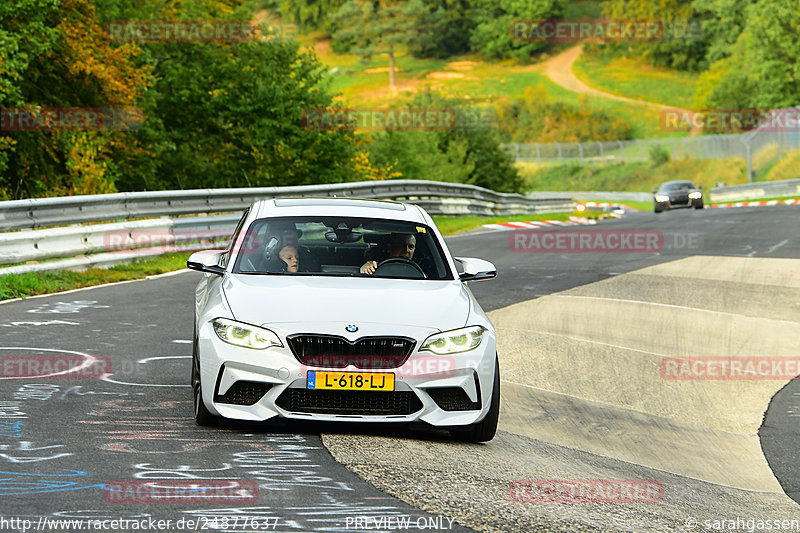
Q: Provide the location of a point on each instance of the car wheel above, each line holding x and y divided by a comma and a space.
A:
699, 205
657, 210
202, 415
484, 430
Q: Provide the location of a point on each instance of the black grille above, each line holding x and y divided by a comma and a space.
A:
679, 199
349, 402
243, 393
332, 351
453, 399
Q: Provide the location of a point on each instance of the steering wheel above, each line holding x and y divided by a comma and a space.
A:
399, 267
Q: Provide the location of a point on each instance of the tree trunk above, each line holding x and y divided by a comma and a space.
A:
392, 81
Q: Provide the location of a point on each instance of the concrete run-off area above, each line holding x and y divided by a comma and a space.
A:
585, 397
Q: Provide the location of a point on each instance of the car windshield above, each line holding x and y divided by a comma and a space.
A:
341, 246
676, 186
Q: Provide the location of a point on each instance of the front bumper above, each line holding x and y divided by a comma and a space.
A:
677, 203
245, 384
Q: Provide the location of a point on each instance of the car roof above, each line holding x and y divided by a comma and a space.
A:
677, 181
349, 207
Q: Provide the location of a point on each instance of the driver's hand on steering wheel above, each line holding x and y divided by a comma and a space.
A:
369, 267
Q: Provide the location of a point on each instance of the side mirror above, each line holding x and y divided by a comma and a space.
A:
206, 261
654, 191
700, 187
476, 269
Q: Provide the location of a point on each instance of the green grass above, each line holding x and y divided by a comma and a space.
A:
634, 78
760, 199
633, 177
641, 206
453, 225
33, 283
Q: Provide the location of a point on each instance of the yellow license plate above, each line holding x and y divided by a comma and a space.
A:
350, 381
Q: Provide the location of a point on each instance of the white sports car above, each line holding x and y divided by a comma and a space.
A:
342, 309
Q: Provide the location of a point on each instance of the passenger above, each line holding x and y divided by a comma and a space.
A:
397, 245
287, 234
290, 257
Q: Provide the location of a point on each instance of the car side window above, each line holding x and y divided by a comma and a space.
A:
226, 257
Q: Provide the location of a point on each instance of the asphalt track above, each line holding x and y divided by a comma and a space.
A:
62, 440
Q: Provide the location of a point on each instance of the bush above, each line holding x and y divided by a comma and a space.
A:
468, 153
659, 155
533, 117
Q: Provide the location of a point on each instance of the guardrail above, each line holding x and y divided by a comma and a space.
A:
44, 212
118, 242
759, 189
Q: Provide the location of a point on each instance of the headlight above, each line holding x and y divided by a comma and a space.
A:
245, 335
455, 341
662, 198
695, 195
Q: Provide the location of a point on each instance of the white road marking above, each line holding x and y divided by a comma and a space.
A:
671, 306
182, 341
773, 248
148, 359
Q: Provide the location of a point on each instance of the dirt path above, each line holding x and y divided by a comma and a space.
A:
559, 69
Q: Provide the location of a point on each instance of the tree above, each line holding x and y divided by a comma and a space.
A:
231, 115
55, 54
763, 69
682, 44
373, 27
722, 23
493, 18
444, 29
469, 153
309, 14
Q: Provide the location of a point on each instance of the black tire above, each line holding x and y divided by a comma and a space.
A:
699, 206
486, 429
202, 415
657, 211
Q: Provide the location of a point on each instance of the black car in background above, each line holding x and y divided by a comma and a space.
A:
681, 193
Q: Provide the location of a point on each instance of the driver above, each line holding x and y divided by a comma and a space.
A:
397, 245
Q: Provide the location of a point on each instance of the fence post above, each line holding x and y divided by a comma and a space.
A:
538, 154
749, 162
641, 153
621, 151
580, 152
602, 159
560, 159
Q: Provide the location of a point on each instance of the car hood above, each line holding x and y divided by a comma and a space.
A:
257, 299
